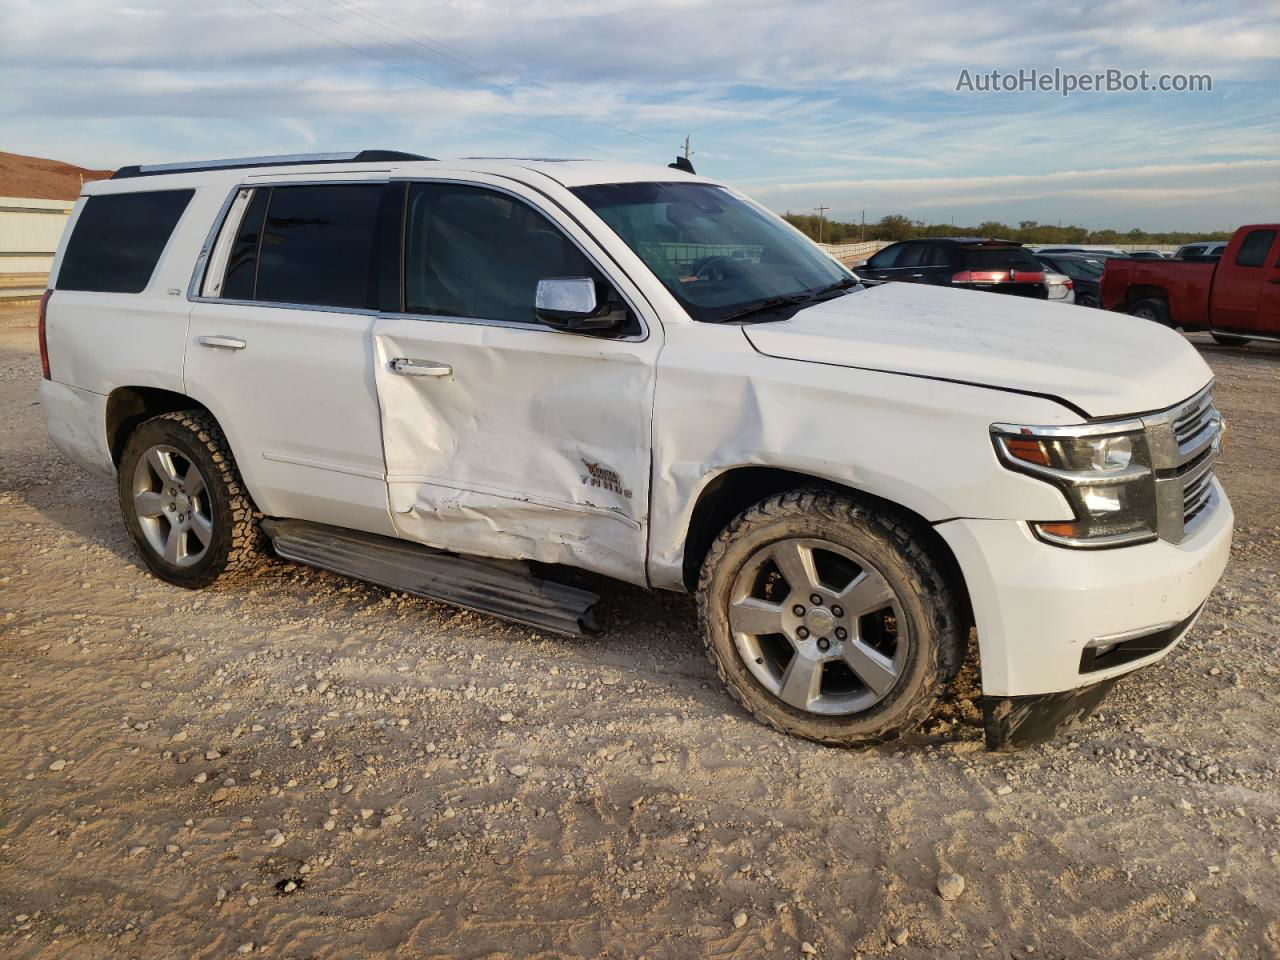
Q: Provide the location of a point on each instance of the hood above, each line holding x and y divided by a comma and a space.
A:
1105, 364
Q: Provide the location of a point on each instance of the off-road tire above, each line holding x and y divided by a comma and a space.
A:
238, 544
886, 540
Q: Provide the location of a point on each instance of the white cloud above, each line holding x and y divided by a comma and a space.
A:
804, 102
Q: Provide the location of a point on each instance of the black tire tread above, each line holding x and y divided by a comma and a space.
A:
842, 508
248, 549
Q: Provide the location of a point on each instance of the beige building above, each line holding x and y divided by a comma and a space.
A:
29, 234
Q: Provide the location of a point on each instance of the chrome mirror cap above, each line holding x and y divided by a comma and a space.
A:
566, 295
571, 303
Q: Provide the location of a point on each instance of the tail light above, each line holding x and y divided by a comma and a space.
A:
1069, 285
44, 340
998, 276
980, 276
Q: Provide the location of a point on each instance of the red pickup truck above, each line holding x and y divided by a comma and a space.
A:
1236, 299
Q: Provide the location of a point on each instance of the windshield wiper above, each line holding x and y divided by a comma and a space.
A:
843, 284
764, 306
791, 300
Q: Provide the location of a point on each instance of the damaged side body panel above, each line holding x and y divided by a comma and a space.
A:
876, 432
534, 445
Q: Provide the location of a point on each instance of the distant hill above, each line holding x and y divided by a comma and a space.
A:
43, 179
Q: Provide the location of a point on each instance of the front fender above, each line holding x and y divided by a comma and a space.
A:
922, 444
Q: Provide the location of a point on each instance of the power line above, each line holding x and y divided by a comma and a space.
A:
411, 73
486, 71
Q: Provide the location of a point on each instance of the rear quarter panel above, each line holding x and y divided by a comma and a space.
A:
100, 341
1184, 286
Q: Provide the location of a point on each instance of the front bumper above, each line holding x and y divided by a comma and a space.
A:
1052, 619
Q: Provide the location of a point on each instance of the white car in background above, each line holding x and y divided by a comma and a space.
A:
430, 374
1059, 287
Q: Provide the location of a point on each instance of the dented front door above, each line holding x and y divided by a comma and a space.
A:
503, 437
517, 442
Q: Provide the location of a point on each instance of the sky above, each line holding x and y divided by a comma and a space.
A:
849, 106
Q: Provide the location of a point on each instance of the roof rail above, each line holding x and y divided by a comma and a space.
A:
287, 160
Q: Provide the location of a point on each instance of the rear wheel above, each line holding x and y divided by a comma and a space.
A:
1157, 311
1229, 340
1086, 300
827, 619
183, 502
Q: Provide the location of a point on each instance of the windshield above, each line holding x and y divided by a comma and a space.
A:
716, 254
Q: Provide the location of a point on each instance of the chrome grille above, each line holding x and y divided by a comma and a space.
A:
1185, 441
1194, 420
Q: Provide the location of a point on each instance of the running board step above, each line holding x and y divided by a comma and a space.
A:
502, 588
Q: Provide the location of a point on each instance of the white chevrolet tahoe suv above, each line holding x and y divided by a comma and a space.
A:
452, 377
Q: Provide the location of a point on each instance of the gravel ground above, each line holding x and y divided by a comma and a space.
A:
304, 766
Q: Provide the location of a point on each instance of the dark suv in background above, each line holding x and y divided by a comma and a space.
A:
1085, 273
978, 263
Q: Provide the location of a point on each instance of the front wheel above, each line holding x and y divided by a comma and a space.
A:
183, 502
828, 619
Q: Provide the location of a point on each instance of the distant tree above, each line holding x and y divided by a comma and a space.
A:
895, 226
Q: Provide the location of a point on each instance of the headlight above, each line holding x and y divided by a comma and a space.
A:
1104, 470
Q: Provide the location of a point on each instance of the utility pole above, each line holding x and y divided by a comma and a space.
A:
821, 211
862, 234
687, 152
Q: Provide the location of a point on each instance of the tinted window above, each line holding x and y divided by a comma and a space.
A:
242, 262
936, 256
999, 258
888, 257
911, 254
1253, 252
320, 246
1077, 269
471, 252
118, 239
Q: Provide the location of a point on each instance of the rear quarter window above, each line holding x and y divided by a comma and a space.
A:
118, 239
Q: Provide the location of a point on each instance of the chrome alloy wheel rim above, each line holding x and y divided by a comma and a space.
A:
171, 502
818, 626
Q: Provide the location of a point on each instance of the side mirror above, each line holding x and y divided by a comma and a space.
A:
573, 304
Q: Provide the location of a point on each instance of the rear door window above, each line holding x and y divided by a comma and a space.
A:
911, 254
936, 256
321, 245
118, 240
242, 263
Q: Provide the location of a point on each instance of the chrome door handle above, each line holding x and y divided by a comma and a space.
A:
420, 368
221, 343
917, 275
